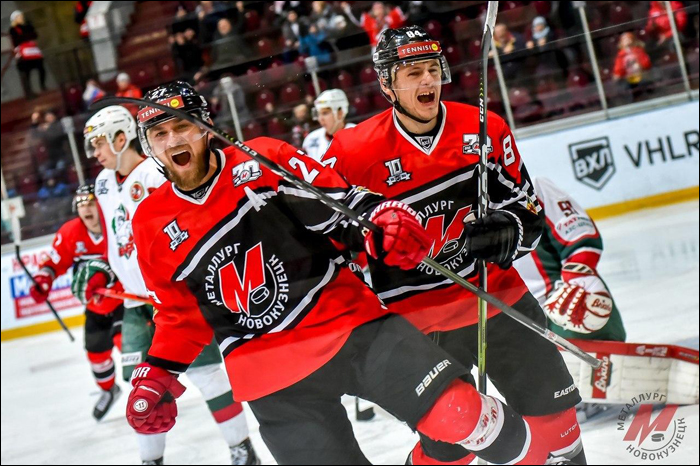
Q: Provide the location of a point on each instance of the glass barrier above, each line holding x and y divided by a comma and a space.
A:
543, 51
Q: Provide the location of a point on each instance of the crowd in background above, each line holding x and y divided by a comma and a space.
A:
211, 39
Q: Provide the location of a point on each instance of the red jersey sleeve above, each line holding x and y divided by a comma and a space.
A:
181, 331
61, 256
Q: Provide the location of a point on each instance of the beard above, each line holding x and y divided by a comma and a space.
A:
194, 177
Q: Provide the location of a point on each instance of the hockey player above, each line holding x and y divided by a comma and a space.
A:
76, 242
230, 249
425, 153
562, 272
330, 109
127, 179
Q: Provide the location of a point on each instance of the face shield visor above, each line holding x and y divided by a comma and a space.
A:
422, 73
172, 134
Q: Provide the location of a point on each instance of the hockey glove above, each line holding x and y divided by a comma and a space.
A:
403, 242
493, 238
94, 274
40, 291
581, 302
151, 407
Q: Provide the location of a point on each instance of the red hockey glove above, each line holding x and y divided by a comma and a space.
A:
581, 303
403, 242
40, 291
151, 408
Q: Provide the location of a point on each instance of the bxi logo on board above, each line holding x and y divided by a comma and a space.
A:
592, 162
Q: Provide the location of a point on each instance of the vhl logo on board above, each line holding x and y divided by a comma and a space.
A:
651, 435
592, 162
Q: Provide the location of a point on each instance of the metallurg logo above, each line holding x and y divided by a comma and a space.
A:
251, 286
444, 223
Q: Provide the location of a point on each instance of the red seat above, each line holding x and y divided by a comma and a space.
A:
74, 100
167, 72
28, 185
265, 47
263, 98
343, 81
362, 104
474, 49
577, 79
277, 71
620, 14
275, 127
252, 20
290, 93
543, 8
452, 55
368, 75
469, 81
72, 175
252, 130
434, 28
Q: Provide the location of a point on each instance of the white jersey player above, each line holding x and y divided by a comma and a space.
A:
127, 179
330, 109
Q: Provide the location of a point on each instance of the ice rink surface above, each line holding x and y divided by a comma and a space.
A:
650, 263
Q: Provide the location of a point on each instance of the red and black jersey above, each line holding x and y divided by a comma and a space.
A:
72, 245
437, 175
250, 258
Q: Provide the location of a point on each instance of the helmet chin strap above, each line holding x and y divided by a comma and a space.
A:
399, 108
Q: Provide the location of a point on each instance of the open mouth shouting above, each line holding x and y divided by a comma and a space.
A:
426, 97
181, 158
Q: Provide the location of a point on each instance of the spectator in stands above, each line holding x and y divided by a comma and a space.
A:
27, 53
506, 42
228, 47
184, 20
659, 26
80, 17
301, 124
53, 187
379, 17
187, 54
126, 89
549, 59
220, 104
321, 15
313, 43
630, 65
93, 92
53, 138
209, 15
291, 30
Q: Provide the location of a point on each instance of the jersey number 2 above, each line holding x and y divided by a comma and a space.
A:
309, 176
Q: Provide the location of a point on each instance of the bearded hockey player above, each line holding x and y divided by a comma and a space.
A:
424, 152
76, 242
330, 109
231, 249
127, 179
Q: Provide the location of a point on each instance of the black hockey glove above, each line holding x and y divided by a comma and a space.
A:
493, 238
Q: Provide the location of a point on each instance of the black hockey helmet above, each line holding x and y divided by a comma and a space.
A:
176, 94
404, 46
84, 193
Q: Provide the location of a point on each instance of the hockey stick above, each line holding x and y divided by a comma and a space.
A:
364, 414
16, 234
486, 37
352, 215
123, 295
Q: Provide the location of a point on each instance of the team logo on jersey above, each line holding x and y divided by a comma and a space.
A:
425, 141
396, 172
101, 187
136, 191
80, 247
245, 172
176, 234
470, 144
592, 161
121, 227
251, 285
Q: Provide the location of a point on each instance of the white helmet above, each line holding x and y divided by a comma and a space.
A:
108, 122
334, 99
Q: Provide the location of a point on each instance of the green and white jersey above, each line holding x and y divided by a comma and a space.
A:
569, 236
118, 198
